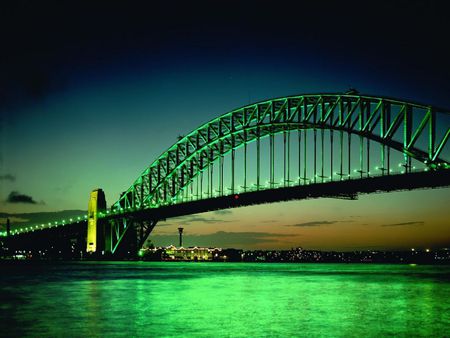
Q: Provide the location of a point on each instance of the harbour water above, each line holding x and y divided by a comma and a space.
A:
161, 299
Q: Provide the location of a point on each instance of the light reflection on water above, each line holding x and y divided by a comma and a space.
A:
144, 299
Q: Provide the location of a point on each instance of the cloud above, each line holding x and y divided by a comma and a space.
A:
7, 177
16, 197
403, 224
223, 212
222, 239
312, 224
191, 219
206, 220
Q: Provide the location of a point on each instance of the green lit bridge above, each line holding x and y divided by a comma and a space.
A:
296, 147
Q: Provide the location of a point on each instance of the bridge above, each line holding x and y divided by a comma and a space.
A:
295, 147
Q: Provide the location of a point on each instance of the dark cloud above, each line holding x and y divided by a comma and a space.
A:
312, 224
16, 197
7, 177
223, 212
222, 239
205, 220
403, 224
191, 219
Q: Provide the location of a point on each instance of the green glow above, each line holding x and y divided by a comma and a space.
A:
216, 300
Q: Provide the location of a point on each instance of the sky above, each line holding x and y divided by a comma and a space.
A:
92, 92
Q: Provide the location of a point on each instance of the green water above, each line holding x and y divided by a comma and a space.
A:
144, 299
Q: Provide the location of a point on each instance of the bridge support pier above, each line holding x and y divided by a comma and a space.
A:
98, 232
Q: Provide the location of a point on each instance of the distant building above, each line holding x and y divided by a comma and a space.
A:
172, 253
192, 253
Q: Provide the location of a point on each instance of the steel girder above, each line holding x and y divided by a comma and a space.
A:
132, 230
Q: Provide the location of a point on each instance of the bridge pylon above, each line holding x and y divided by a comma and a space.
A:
98, 233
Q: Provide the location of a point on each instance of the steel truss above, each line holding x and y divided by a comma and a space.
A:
185, 167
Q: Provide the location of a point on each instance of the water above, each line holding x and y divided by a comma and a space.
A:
148, 299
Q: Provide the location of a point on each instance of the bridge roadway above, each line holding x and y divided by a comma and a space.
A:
346, 189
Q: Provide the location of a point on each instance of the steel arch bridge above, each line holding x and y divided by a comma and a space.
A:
330, 137
295, 147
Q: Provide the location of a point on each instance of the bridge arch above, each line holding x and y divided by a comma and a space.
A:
394, 124
417, 133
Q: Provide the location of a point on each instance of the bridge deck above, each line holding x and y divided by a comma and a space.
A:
348, 189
